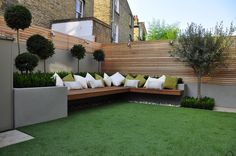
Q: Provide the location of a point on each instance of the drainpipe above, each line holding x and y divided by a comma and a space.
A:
113, 19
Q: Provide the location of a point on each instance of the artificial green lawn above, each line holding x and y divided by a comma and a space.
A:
132, 129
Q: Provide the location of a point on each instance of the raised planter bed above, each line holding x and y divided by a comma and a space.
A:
40, 104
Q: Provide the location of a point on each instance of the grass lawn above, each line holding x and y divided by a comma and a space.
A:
132, 129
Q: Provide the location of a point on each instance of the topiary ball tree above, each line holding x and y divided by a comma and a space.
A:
26, 62
18, 17
99, 56
40, 46
78, 51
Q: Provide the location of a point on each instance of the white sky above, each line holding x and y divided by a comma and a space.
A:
205, 12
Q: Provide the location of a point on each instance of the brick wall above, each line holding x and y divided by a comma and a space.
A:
102, 31
45, 11
124, 21
103, 10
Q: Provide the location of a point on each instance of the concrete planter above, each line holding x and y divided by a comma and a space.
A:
40, 104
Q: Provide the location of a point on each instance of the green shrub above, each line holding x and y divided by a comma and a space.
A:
26, 62
33, 80
203, 103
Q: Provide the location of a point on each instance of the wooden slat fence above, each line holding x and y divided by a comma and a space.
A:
60, 40
152, 58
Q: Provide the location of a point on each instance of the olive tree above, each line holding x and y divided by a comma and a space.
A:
18, 17
40, 46
78, 51
99, 56
204, 50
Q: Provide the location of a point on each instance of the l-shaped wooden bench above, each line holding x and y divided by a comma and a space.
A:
88, 93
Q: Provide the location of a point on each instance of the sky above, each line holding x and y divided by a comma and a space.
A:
205, 12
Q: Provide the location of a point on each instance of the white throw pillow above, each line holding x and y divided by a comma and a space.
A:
162, 79
82, 81
73, 85
149, 78
107, 80
96, 84
59, 81
154, 84
131, 83
89, 78
117, 79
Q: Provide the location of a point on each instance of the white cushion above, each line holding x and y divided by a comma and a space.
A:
162, 78
82, 81
89, 78
59, 81
73, 85
149, 78
107, 80
131, 83
96, 84
154, 84
117, 79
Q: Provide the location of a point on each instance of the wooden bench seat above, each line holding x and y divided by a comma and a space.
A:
157, 91
88, 93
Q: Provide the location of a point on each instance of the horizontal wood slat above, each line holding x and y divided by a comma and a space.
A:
153, 58
60, 40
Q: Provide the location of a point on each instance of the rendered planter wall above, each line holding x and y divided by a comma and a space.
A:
36, 105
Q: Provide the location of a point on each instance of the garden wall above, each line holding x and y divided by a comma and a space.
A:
153, 58
62, 60
6, 94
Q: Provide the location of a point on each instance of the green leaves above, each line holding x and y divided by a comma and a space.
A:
204, 50
40, 46
18, 17
78, 51
99, 55
26, 62
162, 31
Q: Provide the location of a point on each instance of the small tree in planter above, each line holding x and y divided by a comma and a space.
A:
99, 56
26, 62
78, 51
18, 17
40, 46
203, 50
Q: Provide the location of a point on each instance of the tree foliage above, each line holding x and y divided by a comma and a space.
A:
40, 46
99, 55
203, 50
26, 62
18, 17
161, 31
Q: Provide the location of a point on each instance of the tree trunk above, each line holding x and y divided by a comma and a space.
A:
18, 40
78, 66
199, 85
98, 66
44, 66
